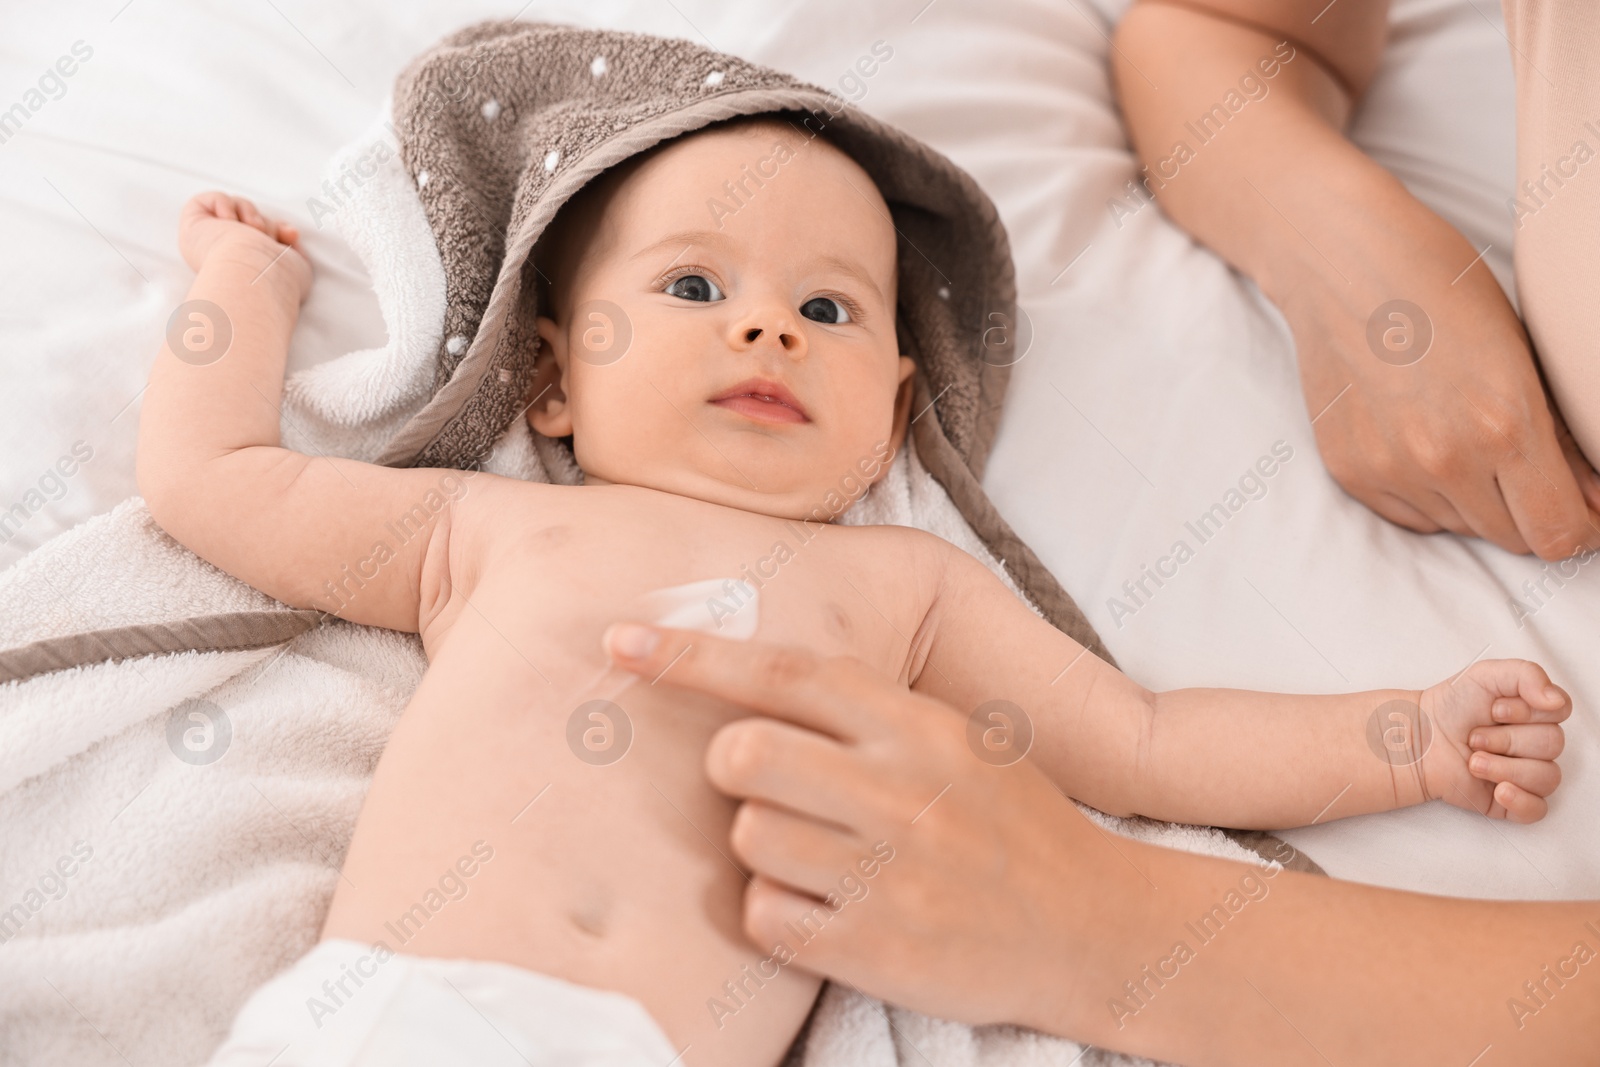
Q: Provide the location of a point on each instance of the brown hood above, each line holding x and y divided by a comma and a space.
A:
501, 123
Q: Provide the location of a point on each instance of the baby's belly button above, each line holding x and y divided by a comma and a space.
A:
620, 860
590, 911
597, 918
610, 842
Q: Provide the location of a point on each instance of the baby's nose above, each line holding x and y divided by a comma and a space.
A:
789, 340
752, 335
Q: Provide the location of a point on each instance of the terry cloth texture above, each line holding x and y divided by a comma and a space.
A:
182, 759
551, 107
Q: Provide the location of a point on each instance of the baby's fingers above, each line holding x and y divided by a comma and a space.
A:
1521, 805
210, 204
1534, 741
250, 215
1511, 679
1548, 701
1533, 775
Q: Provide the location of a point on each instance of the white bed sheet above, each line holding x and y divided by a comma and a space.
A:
1155, 377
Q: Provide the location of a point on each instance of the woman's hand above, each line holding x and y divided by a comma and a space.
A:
1001, 903
974, 913
1416, 372
1426, 402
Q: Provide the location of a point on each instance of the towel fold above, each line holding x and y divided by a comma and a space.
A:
182, 759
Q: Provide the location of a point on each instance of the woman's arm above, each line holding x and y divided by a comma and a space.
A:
1001, 903
1431, 413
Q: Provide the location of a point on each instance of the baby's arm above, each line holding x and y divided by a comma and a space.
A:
347, 537
1240, 759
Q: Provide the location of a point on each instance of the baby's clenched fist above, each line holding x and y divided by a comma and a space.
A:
1498, 733
214, 221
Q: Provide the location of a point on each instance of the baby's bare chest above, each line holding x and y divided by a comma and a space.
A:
547, 582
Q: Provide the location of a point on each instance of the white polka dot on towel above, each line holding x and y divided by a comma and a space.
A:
598, 67
456, 345
491, 109
422, 179
551, 158
714, 79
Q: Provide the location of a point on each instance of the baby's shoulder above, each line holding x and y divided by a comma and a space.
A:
900, 542
912, 562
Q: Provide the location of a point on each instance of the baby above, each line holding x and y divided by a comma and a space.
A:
763, 375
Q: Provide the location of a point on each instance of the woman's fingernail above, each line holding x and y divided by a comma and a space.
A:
1552, 694
631, 641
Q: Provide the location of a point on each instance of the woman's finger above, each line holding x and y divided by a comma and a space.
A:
771, 910
785, 765
1545, 499
1441, 511
800, 852
835, 696
1483, 513
1400, 512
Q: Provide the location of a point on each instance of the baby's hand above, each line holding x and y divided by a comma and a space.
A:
1496, 739
213, 220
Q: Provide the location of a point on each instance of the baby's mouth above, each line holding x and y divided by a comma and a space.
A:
762, 400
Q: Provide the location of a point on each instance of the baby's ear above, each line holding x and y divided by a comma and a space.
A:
548, 412
902, 402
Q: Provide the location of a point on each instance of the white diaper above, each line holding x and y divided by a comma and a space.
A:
347, 1004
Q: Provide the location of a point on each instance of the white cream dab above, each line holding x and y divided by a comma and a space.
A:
724, 607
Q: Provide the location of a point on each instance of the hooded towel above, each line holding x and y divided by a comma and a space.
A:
500, 124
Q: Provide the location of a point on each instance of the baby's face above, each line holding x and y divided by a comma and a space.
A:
762, 371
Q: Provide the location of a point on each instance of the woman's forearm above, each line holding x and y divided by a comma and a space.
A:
1210, 962
1237, 121
1237, 109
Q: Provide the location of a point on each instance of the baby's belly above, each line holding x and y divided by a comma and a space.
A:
515, 820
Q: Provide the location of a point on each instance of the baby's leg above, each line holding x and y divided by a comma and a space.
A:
1556, 53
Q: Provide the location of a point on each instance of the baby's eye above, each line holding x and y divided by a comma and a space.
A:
694, 287
824, 309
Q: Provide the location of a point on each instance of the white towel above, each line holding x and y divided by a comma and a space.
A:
145, 891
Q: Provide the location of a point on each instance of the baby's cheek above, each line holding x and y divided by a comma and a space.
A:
630, 427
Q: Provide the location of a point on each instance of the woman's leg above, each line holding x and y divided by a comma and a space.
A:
1556, 53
